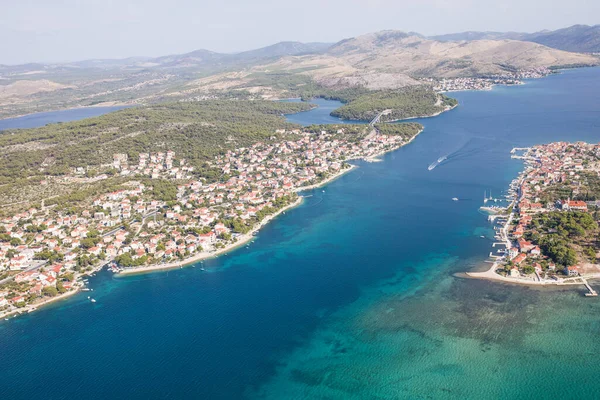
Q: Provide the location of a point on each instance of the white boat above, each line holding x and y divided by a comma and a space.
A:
455, 199
93, 300
436, 163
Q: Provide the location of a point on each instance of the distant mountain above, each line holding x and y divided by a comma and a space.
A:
283, 49
474, 35
206, 58
381, 60
210, 58
577, 38
400, 52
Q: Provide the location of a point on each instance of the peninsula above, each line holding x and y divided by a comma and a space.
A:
157, 188
548, 234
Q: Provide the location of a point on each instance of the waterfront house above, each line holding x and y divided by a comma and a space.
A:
572, 270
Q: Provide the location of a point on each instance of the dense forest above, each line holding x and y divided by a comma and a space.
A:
404, 103
405, 129
565, 237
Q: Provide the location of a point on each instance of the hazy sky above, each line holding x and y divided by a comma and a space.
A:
66, 30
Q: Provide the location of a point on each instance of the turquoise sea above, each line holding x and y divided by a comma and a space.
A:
351, 295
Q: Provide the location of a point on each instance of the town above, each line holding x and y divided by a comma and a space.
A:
47, 252
487, 83
549, 231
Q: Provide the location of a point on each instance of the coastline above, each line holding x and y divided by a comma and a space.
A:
33, 307
243, 239
105, 104
325, 181
491, 275
423, 116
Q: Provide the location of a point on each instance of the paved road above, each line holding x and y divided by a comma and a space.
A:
378, 117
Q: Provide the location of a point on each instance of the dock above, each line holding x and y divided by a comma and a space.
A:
592, 292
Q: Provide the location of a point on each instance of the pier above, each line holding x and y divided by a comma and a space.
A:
592, 292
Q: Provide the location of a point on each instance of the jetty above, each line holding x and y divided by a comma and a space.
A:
592, 292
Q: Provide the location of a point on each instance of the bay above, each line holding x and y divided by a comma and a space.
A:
51, 117
350, 295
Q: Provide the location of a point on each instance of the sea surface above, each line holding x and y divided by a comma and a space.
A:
51, 117
351, 295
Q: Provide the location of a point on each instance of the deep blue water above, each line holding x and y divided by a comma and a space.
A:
351, 294
51, 117
319, 115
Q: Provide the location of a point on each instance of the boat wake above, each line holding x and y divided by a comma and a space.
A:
436, 162
465, 149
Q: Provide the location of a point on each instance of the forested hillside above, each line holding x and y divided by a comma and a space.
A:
196, 131
404, 103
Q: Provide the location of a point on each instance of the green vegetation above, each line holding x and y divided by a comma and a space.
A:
126, 260
49, 291
333, 129
565, 237
196, 131
405, 103
586, 188
406, 129
297, 85
163, 190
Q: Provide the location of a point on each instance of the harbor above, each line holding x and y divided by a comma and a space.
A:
502, 218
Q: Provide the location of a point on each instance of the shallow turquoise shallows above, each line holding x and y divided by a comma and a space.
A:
351, 295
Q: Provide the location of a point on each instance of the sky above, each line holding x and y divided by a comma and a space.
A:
71, 30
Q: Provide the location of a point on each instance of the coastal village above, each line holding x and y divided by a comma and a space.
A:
486, 83
46, 253
550, 229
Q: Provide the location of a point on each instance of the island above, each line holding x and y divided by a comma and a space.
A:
549, 231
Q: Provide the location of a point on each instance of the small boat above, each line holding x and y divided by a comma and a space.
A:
455, 199
93, 300
89, 297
